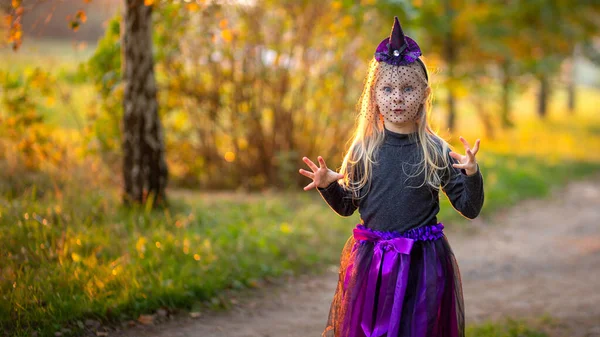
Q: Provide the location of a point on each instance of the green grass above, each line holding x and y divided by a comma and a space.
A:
76, 254
50, 54
511, 179
71, 98
508, 328
79, 255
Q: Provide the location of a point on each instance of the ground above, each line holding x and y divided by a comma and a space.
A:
539, 259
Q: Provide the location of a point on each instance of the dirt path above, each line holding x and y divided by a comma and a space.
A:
539, 258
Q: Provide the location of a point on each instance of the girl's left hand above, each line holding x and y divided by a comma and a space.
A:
467, 161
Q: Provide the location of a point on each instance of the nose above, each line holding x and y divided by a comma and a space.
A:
398, 98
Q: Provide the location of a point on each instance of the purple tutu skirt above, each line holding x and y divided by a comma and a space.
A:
397, 285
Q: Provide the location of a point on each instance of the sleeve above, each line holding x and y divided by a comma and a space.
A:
464, 192
339, 199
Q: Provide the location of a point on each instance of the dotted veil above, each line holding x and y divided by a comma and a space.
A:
396, 90
393, 60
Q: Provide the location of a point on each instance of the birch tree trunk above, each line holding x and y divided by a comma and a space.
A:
144, 167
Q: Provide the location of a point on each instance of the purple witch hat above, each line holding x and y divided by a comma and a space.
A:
397, 49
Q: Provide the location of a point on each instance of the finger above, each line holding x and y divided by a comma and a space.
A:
322, 162
309, 186
310, 164
476, 147
470, 155
465, 143
307, 174
460, 166
457, 156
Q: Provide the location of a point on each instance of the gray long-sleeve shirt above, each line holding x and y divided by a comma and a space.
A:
392, 202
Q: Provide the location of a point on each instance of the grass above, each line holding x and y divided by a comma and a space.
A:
67, 258
50, 54
507, 328
70, 252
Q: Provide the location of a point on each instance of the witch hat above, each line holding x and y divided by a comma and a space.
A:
397, 49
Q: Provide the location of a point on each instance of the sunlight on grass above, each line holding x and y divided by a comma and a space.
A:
561, 136
71, 252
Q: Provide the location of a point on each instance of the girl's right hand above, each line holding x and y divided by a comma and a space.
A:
321, 176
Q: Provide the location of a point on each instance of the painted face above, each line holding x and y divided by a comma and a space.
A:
400, 92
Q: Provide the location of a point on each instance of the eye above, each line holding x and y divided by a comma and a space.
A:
408, 88
387, 89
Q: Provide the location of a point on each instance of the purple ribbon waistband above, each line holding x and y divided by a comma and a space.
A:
423, 233
390, 249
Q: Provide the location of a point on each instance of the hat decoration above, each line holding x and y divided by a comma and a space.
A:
397, 49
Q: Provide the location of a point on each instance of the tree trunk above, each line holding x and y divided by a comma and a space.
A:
506, 83
543, 96
144, 168
571, 96
571, 80
486, 117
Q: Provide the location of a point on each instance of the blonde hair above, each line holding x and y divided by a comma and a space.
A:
369, 134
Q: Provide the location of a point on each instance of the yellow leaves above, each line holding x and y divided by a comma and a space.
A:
148, 2
80, 18
207, 245
7, 20
16, 4
186, 246
336, 5
242, 143
80, 15
227, 35
91, 261
285, 228
50, 100
347, 21
192, 7
223, 23
117, 270
75, 257
229, 156
140, 246
340, 27
15, 34
458, 88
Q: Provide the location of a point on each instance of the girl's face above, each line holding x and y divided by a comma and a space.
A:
399, 93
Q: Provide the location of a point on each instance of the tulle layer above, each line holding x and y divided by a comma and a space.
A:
397, 284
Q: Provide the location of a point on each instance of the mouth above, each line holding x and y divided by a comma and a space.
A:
398, 110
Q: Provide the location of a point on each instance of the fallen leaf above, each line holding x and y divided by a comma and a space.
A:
146, 319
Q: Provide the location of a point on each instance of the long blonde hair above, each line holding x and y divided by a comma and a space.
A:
369, 134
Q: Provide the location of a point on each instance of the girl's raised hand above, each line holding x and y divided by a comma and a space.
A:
467, 161
321, 176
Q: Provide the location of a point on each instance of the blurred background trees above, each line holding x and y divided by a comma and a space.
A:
246, 88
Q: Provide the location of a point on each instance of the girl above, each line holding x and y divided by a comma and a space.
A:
398, 275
